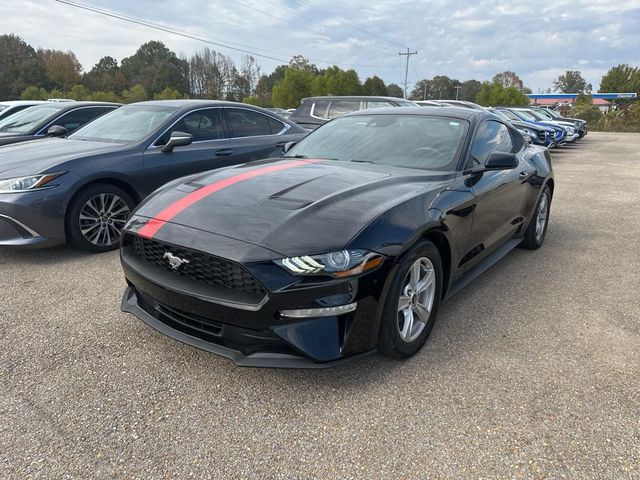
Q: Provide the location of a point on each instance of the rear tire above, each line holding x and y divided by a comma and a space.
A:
537, 229
411, 306
96, 216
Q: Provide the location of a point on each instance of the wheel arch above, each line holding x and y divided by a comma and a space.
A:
109, 180
439, 239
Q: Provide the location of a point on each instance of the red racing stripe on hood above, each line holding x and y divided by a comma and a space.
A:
157, 222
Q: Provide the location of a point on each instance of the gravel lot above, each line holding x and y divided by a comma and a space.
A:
533, 371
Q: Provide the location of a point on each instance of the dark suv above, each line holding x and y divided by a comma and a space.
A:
316, 111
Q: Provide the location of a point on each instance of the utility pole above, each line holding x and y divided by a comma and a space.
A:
406, 70
458, 90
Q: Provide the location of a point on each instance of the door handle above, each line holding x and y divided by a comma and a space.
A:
225, 152
523, 175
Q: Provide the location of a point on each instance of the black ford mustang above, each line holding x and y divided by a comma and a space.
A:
346, 246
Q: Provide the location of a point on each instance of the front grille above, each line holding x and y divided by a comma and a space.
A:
542, 135
201, 267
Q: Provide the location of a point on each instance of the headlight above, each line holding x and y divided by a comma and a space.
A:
570, 130
343, 263
531, 133
25, 184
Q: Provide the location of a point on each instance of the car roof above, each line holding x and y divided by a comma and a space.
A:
12, 103
453, 112
355, 97
64, 106
189, 102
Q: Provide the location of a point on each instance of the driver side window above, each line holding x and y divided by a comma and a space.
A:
202, 124
491, 137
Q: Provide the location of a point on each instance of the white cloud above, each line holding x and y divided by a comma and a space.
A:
470, 39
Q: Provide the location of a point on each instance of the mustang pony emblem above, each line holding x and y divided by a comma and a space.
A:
175, 262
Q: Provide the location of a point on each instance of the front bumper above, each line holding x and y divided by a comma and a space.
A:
254, 333
32, 219
271, 359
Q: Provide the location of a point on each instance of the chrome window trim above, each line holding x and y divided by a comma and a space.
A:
50, 124
281, 132
313, 108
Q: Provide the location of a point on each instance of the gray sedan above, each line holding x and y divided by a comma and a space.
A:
81, 189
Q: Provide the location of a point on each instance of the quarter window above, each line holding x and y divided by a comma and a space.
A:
247, 123
319, 108
340, 107
491, 137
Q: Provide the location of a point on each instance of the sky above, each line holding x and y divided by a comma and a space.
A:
462, 39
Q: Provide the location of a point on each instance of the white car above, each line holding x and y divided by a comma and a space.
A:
9, 108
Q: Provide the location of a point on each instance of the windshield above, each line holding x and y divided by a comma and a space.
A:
29, 119
500, 114
411, 141
2, 107
127, 124
510, 115
545, 114
525, 115
537, 116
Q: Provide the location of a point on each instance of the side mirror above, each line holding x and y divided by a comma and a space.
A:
501, 161
496, 161
288, 146
177, 139
57, 131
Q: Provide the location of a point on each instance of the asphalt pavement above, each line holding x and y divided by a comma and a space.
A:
532, 371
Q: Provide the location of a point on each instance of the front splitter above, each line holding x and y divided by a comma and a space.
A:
259, 360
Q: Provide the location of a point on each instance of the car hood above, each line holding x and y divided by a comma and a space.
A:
306, 207
45, 155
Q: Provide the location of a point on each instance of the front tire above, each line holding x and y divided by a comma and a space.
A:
537, 229
96, 217
411, 306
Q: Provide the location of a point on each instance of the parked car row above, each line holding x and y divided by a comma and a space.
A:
345, 246
82, 188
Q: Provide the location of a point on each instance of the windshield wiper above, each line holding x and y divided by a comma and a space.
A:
361, 161
295, 156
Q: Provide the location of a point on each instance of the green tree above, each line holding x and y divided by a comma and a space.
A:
295, 86
375, 86
104, 97
168, 94
493, 94
469, 90
78, 92
621, 78
571, 81
20, 67
63, 68
335, 81
251, 100
105, 76
34, 93
395, 90
421, 90
155, 67
585, 109
137, 93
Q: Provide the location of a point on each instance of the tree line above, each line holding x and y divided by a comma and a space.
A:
156, 72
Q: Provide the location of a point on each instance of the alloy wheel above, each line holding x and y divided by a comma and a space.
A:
416, 299
102, 219
541, 219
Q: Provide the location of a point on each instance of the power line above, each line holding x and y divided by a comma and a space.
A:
290, 22
191, 36
306, 5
